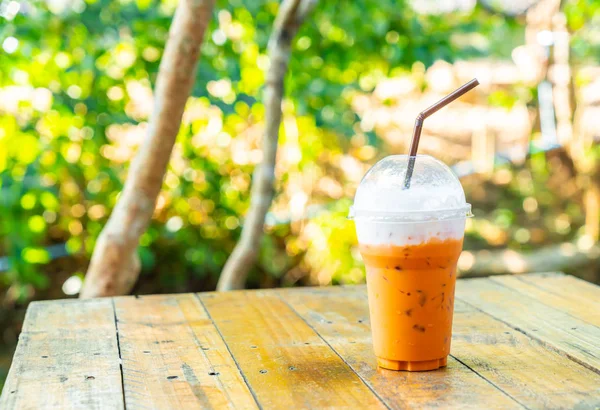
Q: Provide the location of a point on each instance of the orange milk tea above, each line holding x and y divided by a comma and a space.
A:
411, 290
410, 237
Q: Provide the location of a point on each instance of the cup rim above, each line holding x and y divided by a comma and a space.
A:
445, 214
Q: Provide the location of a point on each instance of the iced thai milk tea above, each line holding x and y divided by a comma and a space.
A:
412, 289
410, 245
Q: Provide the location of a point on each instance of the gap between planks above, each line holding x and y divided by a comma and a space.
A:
345, 308
66, 358
285, 360
489, 381
418, 386
541, 341
334, 350
174, 357
237, 365
534, 335
112, 301
544, 292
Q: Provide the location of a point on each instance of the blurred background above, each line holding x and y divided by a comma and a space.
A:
76, 82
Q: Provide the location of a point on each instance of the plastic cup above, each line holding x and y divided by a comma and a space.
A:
410, 240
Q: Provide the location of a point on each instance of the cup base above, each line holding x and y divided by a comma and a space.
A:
412, 366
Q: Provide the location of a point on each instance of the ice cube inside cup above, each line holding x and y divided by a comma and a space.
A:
410, 240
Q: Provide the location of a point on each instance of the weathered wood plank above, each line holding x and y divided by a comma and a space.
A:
285, 362
341, 317
173, 356
573, 288
526, 341
67, 358
555, 328
509, 360
567, 293
532, 374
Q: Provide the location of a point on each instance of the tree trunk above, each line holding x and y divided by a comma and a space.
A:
289, 18
115, 265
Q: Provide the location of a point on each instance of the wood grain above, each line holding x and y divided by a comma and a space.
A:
341, 316
567, 293
532, 374
285, 362
67, 358
553, 327
173, 357
527, 341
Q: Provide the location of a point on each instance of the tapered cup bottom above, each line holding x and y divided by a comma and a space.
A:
412, 366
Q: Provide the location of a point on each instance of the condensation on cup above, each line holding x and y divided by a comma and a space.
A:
410, 240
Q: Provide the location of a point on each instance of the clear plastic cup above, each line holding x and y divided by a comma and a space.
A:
410, 240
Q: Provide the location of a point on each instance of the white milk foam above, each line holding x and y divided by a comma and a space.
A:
390, 198
371, 232
387, 212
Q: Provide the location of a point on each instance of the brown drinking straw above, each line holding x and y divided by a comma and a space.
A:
414, 146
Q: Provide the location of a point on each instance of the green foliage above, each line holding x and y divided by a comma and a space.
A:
583, 18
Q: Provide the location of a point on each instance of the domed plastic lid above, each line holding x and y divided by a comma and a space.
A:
435, 193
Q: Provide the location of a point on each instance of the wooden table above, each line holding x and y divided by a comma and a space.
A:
530, 341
